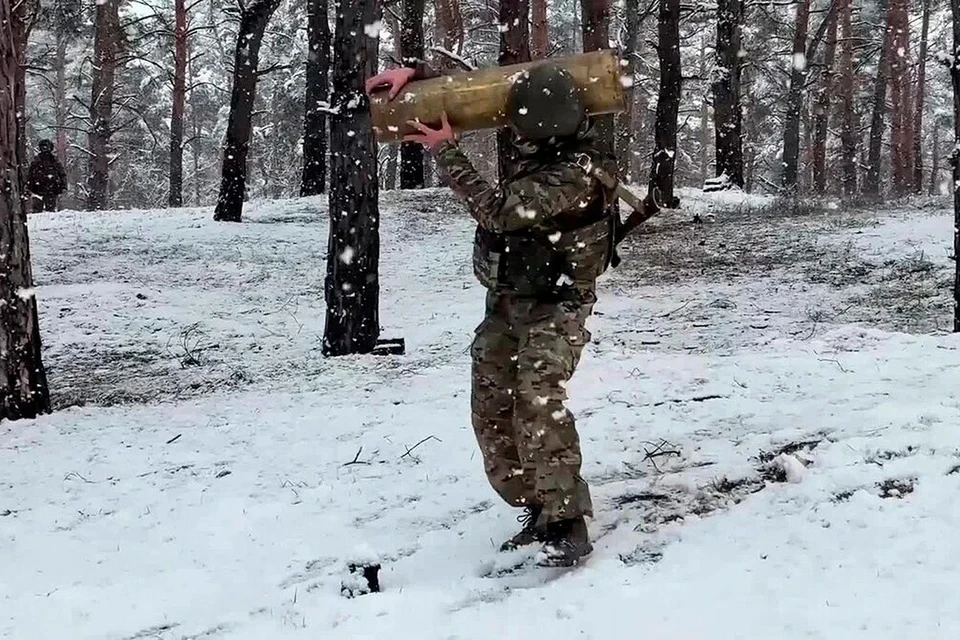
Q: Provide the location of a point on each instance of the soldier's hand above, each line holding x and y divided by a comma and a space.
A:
395, 79
431, 138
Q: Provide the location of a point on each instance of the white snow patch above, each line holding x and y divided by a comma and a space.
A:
230, 511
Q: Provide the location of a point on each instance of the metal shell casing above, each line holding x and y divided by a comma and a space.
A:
475, 100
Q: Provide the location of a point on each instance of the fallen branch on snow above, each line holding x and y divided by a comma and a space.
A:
356, 459
410, 449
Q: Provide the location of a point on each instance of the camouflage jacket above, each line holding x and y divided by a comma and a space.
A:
550, 210
46, 176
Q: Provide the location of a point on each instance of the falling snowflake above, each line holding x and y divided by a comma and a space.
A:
799, 61
373, 29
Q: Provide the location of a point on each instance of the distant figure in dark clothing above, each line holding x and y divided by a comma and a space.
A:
46, 179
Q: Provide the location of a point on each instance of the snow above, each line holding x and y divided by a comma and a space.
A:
372, 30
226, 498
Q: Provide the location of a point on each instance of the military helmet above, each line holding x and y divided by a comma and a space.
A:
46, 145
545, 102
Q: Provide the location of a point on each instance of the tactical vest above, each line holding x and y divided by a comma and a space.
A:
553, 260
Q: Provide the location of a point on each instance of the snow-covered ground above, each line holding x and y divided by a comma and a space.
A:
208, 474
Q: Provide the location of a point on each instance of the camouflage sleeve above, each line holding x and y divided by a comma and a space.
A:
519, 204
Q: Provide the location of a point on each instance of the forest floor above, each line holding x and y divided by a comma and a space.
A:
768, 414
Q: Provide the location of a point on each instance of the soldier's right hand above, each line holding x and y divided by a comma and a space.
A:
395, 79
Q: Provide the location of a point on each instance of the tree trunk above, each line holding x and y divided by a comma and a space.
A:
727, 112
514, 49
668, 105
314, 178
23, 381
233, 180
596, 37
752, 121
821, 110
850, 125
353, 255
451, 26
412, 49
24, 17
179, 102
933, 189
920, 101
60, 96
625, 133
704, 116
390, 182
798, 76
901, 116
803, 52
955, 158
871, 185
540, 34
106, 51
197, 147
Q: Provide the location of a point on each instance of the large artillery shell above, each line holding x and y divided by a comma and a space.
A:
475, 100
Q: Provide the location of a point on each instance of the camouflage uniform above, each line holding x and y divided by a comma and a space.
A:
46, 179
543, 238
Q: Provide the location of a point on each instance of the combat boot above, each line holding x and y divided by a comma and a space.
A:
566, 543
530, 533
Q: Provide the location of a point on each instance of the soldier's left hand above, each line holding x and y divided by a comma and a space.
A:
431, 138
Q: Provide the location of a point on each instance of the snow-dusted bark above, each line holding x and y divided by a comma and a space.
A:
314, 178
253, 22
850, 121
596, 36
728, 115
450, 19
901, 99
514, 49
412, 49
23, 381
920, 103
803, 54
871, 184
798, 76
106, 53
353, 254
821, 109
953, 63
540, 31
668, 104
180, 36
626, 133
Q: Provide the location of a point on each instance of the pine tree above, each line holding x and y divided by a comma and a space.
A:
23, 380
353, 255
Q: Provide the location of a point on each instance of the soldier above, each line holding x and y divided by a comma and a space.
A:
46, 178
544, 235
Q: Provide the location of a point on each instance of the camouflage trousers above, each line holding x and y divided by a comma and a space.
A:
524, 354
